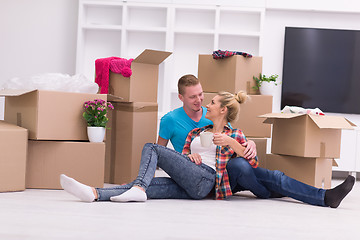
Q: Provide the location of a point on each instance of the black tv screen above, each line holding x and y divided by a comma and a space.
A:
321, 69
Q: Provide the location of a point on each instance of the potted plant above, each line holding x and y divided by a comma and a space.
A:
265, 84
95, 116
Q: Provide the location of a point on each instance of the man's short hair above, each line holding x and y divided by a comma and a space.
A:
186, 81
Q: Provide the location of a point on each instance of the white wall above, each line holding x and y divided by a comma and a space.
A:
37, 36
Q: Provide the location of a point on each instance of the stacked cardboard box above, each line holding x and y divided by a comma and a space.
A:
13, 148
304, 146
134, 119
56, 137
234, 74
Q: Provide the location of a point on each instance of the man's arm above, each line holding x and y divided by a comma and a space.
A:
163, 142
250, 151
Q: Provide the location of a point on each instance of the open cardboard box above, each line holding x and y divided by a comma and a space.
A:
306, 135
48, 115
230, 74
13, 152
249, 122
142, 85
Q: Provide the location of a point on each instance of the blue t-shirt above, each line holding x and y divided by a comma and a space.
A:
176, 125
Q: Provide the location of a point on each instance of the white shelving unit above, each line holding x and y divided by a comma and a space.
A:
126, 28
349, 160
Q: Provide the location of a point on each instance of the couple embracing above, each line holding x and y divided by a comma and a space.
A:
227, 166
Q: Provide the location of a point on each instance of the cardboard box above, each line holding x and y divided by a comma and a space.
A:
248, 121
261, 146
316, 172
230, 74
48, 115
131, 126
13, 151
83, 161
306, 135
142, 85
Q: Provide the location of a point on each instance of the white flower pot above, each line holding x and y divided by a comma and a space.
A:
96, 134
268, 88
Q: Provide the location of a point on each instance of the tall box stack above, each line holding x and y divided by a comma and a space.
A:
233, 74
133, 122
57, 132
304, 145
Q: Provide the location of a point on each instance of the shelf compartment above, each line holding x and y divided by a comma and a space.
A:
238, 21
195, 19
103, 15
248, 44
102, 27
137, 41
187, 48
147, 17
99, 44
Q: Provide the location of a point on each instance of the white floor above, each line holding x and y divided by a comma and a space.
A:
54, 214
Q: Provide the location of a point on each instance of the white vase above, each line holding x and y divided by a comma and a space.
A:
267, 88
96, 134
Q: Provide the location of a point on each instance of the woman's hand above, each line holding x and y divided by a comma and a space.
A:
195, 158
221, 139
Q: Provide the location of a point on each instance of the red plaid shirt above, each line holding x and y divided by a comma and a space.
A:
223, 155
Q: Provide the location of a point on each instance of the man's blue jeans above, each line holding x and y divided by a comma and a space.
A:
188, 180
265, 183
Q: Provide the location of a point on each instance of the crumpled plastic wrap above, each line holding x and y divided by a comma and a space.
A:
53, 82
295, 109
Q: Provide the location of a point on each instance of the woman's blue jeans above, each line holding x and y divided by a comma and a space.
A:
265, 183
187, 180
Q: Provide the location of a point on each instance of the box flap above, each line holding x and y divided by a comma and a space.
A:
9, 126
136, 106
280, 115
334, 163
15, 92
113, 98
152, 57
331, 122
270, 117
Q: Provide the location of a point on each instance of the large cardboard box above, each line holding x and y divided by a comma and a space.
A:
306, 135
249, 122
131, 126
83, 161
142, 85
48, 115
230, 74
316, 172
13, 151
261, 146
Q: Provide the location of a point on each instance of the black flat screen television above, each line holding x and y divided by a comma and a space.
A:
321, 68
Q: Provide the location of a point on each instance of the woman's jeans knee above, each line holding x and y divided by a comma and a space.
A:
188, 180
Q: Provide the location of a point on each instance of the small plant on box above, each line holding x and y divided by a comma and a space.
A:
262, 78
95, 112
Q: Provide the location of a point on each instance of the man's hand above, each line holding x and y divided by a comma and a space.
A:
250, 149
195, 158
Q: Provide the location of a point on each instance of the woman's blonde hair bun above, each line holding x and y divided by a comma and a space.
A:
241, 97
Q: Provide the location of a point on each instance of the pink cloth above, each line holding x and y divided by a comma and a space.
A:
114, 64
